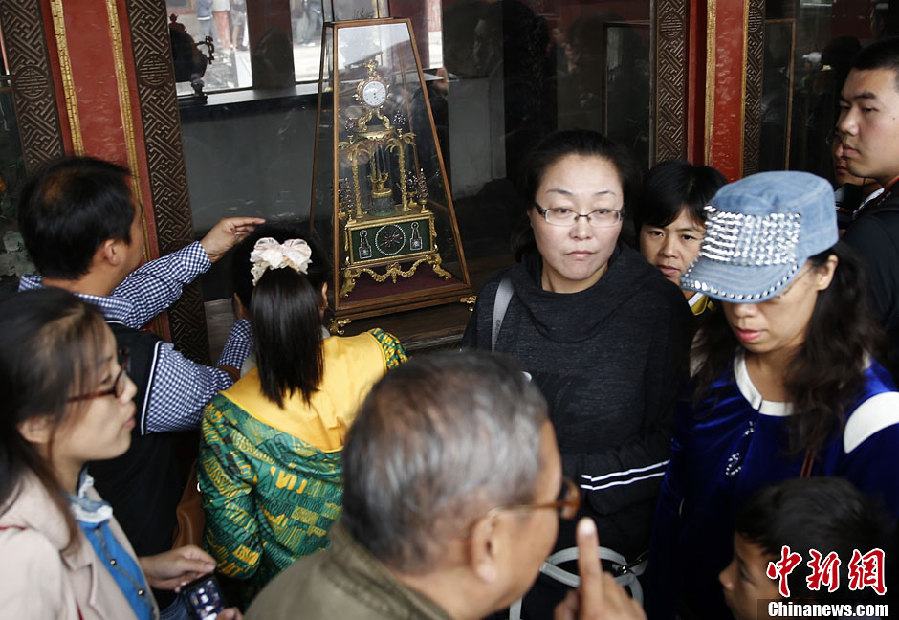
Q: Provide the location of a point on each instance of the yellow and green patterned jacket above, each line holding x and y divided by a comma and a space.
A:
270, 477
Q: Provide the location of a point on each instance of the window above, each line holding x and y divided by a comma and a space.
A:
808, 47
504, 75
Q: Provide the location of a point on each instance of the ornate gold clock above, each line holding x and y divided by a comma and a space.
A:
380, 191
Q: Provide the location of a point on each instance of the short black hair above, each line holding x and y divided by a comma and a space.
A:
671, 185
69, 208
585, 143
881, 54
824, 513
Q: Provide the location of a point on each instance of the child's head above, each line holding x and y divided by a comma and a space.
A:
826, 514
280, 231
280, 279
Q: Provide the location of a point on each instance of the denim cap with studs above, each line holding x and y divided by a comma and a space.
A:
759, 232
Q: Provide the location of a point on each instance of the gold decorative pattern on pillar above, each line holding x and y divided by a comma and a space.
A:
65, 70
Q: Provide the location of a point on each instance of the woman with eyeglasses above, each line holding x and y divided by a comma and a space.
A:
602, 334
783, 383
68, 401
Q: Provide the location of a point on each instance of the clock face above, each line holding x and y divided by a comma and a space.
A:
374, 93
390, 239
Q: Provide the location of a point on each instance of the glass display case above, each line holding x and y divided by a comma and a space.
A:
380, 192
336, 10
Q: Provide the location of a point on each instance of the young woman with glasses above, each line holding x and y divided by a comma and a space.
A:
784, 381
602, 333
68, 401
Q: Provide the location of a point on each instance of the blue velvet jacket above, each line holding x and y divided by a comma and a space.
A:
729, 445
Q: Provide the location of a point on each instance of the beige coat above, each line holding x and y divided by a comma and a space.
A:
38, 580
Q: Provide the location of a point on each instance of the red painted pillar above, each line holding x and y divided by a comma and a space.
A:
89, 43
725, 85
696, 80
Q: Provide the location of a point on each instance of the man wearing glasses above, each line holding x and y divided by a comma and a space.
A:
452, 496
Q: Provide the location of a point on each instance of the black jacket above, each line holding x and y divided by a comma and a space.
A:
875, 237
609, 361
143, 485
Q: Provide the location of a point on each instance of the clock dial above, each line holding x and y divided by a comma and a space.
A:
390, 239
374, 93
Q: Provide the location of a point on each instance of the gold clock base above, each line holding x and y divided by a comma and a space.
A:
393, 271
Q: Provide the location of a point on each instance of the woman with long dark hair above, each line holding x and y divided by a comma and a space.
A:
270, 454
68, 400
784, 384
602, 333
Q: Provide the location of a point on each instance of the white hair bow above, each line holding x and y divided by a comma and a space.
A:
269, 254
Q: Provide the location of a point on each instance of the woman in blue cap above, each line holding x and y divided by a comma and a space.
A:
783, 384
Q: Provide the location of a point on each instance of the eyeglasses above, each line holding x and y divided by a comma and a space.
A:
568, 504
600, 218
118, 385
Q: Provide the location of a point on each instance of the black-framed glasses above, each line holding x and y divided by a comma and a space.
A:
118, 385
599, 218
568, 504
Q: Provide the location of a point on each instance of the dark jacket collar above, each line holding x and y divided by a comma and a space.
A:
579, 316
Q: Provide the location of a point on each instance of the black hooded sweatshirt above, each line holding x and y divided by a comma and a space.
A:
609, 361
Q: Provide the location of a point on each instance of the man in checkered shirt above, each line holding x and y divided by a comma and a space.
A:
82, 225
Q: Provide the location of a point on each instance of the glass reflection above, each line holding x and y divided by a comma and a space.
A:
14, 260
808, 47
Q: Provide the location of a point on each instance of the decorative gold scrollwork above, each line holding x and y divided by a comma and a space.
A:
335, 326
394, 270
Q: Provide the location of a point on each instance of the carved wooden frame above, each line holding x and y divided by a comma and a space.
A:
32, 87
35, 98
166, 169
752, 106
669, 110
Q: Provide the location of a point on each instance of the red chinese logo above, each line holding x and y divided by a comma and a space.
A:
866, 571
781, 569
825, 571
